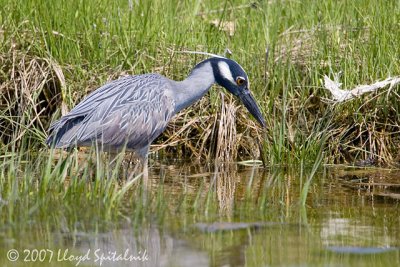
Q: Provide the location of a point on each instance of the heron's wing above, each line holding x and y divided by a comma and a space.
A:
134, 124
110, 90
134, 113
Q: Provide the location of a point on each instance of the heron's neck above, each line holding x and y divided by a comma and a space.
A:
194, 86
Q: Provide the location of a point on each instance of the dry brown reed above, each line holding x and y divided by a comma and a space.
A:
30, 91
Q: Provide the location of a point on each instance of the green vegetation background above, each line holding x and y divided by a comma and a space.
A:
285, 46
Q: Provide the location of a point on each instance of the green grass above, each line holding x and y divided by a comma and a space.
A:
69, 48
92, 42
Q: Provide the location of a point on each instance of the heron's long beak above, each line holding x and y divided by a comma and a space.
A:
251, 105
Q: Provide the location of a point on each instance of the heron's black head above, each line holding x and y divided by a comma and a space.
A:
232, 76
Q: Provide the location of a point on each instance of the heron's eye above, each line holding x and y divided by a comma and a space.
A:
240, 81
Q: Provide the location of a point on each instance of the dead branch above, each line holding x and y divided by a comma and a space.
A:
340, 95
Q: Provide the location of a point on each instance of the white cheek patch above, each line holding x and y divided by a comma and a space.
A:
225, 71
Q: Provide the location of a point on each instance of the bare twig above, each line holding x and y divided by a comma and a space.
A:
340, 95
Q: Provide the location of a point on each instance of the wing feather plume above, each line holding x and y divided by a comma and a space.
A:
130, 111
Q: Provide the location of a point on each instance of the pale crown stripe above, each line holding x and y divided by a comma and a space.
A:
225, 71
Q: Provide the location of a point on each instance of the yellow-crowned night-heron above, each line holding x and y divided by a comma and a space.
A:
132, 111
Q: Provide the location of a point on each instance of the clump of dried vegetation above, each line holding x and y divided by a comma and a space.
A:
30, 91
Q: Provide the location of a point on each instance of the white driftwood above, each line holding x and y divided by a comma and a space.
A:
340, 95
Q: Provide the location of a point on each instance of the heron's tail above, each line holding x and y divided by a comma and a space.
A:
59, 129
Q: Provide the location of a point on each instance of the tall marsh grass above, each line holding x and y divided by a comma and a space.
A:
53, 53
50, 60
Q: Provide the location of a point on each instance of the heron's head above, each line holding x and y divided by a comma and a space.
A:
232, 76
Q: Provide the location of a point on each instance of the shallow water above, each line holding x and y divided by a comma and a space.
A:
227, 215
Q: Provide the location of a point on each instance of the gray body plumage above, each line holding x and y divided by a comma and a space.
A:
132, 111
119, 113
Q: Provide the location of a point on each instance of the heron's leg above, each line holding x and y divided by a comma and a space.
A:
143, 156
143, 153
145, 179
145, 163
